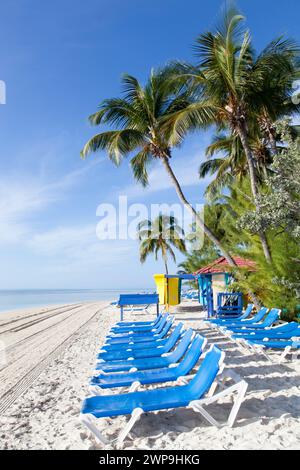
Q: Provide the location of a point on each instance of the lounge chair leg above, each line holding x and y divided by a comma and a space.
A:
243, 346
260, 350
94, 390
135, 416
216, 382
284, 353
134, 387
198, 408
207, 416
87, 420
241, 392
240, 388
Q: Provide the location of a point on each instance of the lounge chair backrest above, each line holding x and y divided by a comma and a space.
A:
285, 327
192, 355
138, 299
260, 315
174, 337
182, 346
141, 323
247, 311
155, 322
159, 327
167, 327
272, 316
206, 374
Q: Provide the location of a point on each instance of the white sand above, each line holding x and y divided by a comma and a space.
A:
44, 408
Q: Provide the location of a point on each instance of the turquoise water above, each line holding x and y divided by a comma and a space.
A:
17, 299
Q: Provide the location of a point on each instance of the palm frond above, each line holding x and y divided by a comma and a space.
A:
132, 89
179, 244
146, 247
117, 112
194, 116
139, 165
210, 167
117, 143
169, 250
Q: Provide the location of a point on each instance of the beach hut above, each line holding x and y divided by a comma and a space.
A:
168, 287
214, 280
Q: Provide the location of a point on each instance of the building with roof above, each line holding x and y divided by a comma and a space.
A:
216, 276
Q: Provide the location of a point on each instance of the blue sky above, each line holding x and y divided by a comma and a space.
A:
59, 59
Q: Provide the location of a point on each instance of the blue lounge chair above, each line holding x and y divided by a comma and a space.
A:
276, 343
140, 338
195, 394
120, 329
139, 323
148, 352
270, 318
141, 344
151, 376
286, 345
230, 319
282, 331
137, 302
149, 363
247, 322
113, 338
143, 332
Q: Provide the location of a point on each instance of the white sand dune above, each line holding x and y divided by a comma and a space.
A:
45, 378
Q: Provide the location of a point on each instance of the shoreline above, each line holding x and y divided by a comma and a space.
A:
39, 309
12, 300
45, 415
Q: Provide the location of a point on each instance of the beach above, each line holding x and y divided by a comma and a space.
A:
51, 352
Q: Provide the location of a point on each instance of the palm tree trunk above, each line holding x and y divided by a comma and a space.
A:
207, 231
273, 143
166, 266
185, 202
267, 128
254, 188
255, 300
165, 258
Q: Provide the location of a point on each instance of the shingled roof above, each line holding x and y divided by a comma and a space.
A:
221, 265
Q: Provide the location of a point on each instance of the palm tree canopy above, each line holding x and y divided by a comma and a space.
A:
162, 234
149, 120
226, 160
246, 93
143, 120
233, 81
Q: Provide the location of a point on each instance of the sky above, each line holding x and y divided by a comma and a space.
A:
59, 60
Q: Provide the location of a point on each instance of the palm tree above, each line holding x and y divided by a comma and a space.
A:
143, 121
161, 234
236, 87
226, 160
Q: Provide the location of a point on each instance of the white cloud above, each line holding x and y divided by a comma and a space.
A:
77, 247
65, 240
22, 197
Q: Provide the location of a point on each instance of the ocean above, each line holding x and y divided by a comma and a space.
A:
26, 298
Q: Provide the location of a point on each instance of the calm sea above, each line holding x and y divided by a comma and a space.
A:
16, 299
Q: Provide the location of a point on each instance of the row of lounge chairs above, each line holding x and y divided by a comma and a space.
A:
190, 295
142, 354
261, 332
